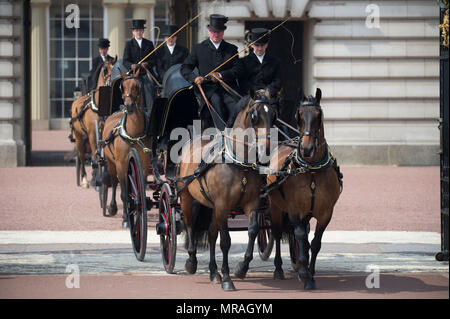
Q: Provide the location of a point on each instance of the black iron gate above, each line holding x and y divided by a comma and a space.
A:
444, 121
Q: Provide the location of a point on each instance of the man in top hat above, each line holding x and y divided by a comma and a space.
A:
260, 69
97, 62
171, 53
206, 56
135, 50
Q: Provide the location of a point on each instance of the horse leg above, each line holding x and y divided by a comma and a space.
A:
124, 197
95, 169
112, 209
277, 220
214, 275
79, 140
301, 236
316, 244
225, 244
188, 210
253, 228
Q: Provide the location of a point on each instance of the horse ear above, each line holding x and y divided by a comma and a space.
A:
136, 73
267, 93
318, 95
123, 75
115, 60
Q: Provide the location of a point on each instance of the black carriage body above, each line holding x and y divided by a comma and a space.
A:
177, 106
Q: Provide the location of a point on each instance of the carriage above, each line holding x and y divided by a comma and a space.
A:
175, 106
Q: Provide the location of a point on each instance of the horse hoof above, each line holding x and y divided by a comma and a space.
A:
216, 278
85, 185
241, 270
125, 224
228, 286
278, 275
112, 210
310, 285
190, 267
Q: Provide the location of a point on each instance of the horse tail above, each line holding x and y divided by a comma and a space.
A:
202, 218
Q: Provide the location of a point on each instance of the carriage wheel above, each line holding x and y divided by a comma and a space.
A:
167, 228
136, 204
265, 239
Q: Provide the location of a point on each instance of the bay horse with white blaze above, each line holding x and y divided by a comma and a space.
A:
310, 189
122, 130
222, 187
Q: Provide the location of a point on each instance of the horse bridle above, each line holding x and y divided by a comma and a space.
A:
253, 111
311, 102
129, 94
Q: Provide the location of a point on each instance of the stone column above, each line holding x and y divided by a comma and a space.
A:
39, 65
143, 9
114, 16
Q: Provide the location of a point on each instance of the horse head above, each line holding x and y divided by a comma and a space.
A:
131, 91
309, 117
106, 71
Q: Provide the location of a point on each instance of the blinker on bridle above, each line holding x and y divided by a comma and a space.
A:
311, 102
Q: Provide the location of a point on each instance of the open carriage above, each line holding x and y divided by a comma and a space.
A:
175, 107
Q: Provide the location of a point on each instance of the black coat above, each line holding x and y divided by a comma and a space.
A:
133, 53
164, 60
97, 62
259, 75
206, 58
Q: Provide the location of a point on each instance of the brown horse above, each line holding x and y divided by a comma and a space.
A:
222, 187
310, 190
84, 117
121, 130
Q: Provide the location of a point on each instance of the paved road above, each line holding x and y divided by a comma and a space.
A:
387, 216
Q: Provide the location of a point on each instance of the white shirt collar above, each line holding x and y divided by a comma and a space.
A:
139, 42
217, 45
171, 48
260, 57
103, 57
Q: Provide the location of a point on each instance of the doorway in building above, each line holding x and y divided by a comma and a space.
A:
285, 44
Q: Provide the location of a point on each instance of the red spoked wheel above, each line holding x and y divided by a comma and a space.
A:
136, 206
265, 239
167, 228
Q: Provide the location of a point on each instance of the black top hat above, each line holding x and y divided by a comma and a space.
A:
103, 43
257, 33
138, 24
217, 22
168, 30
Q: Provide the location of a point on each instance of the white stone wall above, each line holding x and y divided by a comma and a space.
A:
380, 86
12, 151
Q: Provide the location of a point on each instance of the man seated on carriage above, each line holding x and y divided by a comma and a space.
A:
97, 62
135, 50
171, 53
206, 56
261, 70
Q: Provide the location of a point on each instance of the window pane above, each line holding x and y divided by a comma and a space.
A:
67, 108
97, 9
69, 69
69, 49
55, 29
83, 49
83, 31
69, 32
84, 9
69, 87
55, 69
97, 29
83, 67
55, 48
55, 9
56, 109
55, 89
